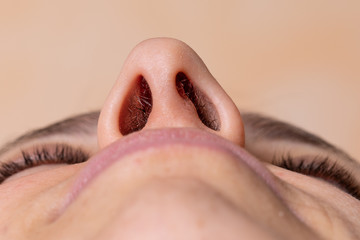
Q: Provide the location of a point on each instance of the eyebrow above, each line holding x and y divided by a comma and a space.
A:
261, 126
76, 125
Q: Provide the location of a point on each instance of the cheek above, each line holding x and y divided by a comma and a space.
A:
28, 197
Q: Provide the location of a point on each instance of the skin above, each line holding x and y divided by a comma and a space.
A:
175, 178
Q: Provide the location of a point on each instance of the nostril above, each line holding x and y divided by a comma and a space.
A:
136, 110
137, 107
203, 105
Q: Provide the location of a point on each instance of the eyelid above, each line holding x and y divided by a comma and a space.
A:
41, 155
31, 171
322, 167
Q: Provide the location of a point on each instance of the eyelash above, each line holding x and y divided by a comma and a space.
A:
316, 167
61, 153
324, 169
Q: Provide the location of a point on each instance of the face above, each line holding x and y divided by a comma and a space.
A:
171, 157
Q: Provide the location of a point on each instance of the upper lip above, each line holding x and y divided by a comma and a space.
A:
157, 138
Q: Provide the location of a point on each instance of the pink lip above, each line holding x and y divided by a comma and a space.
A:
156, 138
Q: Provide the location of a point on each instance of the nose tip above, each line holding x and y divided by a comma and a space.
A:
165, 84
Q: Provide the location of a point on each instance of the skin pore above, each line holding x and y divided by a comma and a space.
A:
169, 156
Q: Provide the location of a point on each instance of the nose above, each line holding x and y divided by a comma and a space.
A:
165, 84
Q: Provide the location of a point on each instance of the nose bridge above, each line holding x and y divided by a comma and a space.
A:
164, 84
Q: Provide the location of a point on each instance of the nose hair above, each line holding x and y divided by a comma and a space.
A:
165, 84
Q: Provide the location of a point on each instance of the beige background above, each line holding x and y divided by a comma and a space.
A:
296, 60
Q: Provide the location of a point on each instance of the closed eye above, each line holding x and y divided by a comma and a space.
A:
323, 168
46, 154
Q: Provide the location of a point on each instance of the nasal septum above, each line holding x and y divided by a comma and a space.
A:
136, 110
165, 84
